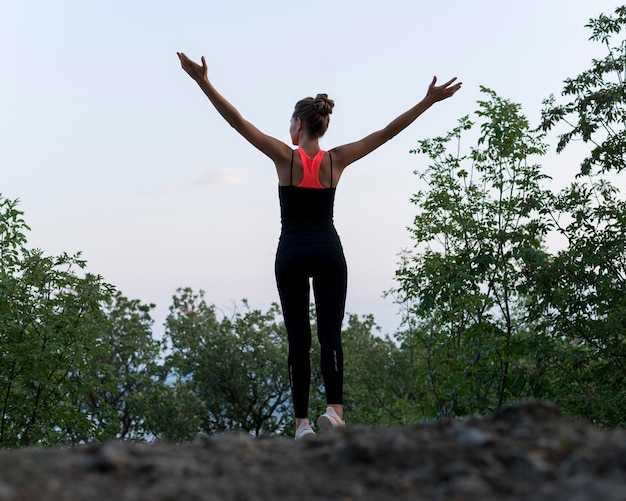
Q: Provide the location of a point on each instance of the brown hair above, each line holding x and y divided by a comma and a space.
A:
315, 112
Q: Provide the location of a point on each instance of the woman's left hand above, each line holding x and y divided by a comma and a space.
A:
193, 69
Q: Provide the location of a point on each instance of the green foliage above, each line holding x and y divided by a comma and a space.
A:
78, 361
235, 366
481, 221
172, 411
127, 372
493, 316
582, 299
50, 321
596, 112
581, 290
376, 375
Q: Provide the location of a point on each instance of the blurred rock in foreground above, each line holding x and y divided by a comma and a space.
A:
529, 451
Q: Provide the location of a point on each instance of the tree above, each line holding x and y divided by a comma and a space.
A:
377, 375
494, 316
50, 320
581, 290
172, 410
77, 361
481, 222
598, 101
581, 299
236, 366
127, 371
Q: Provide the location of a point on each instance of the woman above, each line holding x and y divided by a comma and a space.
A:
309, 246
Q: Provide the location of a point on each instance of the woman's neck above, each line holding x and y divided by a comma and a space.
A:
310, 145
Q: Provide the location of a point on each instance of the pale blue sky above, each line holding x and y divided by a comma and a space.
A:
115, 152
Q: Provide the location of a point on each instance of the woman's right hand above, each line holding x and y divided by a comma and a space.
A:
439, 93
193, 69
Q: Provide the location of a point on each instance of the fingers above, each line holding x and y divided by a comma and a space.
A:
449, 82
193, 69
433, 85
446, 87
443, 86
184, 60
444, 91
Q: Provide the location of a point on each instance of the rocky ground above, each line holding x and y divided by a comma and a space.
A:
529, 451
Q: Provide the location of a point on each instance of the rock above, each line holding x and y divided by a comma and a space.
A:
528, 451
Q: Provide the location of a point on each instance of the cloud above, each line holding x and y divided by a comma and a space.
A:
216, 177
208, 179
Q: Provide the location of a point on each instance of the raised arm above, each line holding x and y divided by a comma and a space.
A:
272, 147
349, 153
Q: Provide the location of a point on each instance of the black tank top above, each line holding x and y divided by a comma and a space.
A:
307, 214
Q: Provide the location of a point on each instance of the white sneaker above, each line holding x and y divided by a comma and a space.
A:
329, 420
304, 430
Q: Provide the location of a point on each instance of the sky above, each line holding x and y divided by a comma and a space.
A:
114, 152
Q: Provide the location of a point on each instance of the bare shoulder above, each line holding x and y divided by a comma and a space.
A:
283, 165
349, 153
339, 157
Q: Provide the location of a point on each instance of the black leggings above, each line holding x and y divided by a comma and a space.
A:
326, 264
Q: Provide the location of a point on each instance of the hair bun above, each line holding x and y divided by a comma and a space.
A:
323, 105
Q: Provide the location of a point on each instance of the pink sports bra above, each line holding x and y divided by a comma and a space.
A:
311, 169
